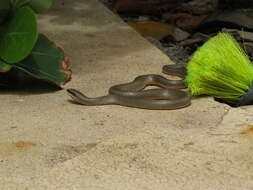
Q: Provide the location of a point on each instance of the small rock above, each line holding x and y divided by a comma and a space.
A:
180, 35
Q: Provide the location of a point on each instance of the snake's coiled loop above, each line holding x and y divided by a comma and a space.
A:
167, 97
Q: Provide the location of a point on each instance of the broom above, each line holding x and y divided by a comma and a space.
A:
222, 69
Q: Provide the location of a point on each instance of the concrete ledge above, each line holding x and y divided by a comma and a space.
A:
48, 143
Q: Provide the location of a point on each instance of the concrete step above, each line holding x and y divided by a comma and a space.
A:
48, 143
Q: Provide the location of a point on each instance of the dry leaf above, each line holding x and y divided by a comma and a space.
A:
153, 29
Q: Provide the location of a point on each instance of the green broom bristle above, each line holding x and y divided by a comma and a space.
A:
220, 68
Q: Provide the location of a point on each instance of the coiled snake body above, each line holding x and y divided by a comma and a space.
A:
167, 97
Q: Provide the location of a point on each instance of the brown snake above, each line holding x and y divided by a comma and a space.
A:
167, 97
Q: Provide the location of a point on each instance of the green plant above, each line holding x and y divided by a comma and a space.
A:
220, 68
23, 48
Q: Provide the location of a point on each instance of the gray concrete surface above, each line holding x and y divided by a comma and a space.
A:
48, 143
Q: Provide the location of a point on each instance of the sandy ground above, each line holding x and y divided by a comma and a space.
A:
48, 143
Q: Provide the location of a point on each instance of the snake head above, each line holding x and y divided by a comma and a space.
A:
76, 95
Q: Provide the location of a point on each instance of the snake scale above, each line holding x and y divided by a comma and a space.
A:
133, 94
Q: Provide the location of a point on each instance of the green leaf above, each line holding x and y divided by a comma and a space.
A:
46, 62
4, 67
18, 36
40, 5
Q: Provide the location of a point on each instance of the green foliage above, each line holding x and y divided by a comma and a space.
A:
45, 62
22, 48
18, 27
220, 68
18, 35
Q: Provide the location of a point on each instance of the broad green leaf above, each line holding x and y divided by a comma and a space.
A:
40, 5
46, 62
4, 67
18, 36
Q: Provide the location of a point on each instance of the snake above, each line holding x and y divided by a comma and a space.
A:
168, 96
